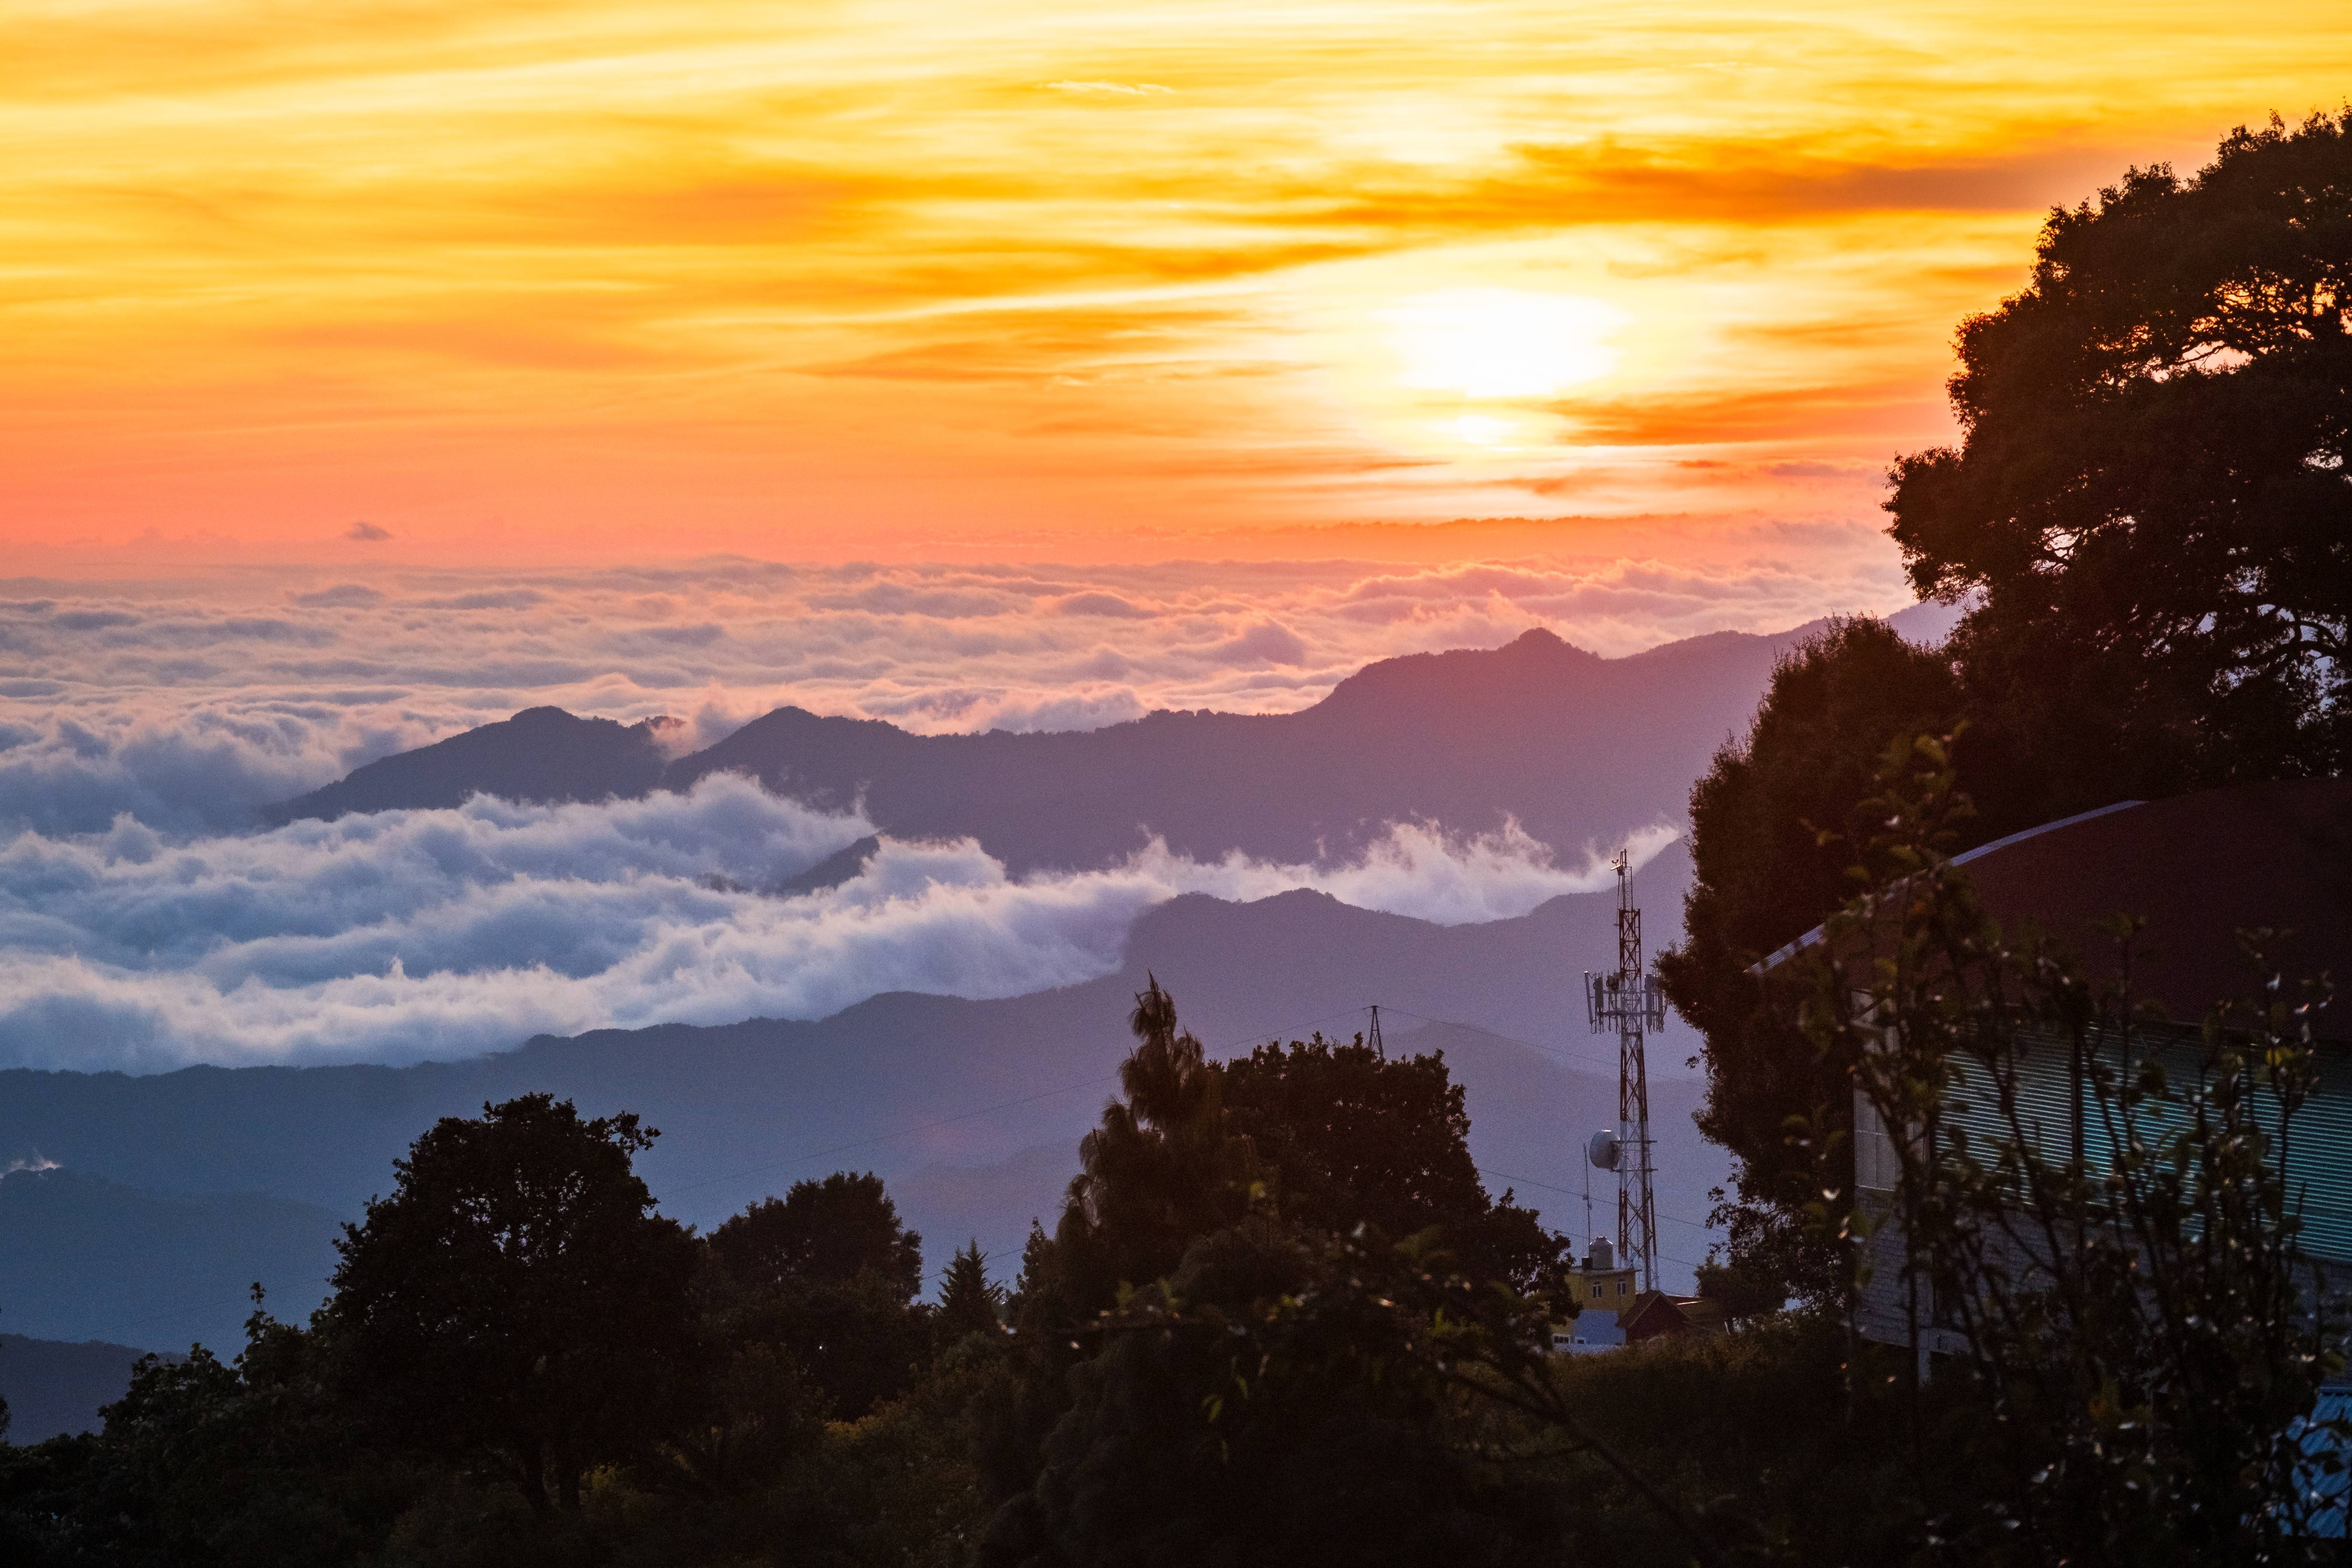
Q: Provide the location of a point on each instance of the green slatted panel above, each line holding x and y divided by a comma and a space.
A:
2319, 1162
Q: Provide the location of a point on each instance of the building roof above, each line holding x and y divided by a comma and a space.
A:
2198, 868
1655, 1314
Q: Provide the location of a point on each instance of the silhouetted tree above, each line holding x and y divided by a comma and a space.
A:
1347, 1137
836, 1229
1161, 1169
1763, 874
827, 1276
1152, 1429
516, 1296
205, 1462
1194, 1437
969, 1303
2151, 516
2151, 496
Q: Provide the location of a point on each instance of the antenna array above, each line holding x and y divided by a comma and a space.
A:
1628, 1003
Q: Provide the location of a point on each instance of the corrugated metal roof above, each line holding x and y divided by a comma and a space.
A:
2319, 1152
1789, 950
2198, 868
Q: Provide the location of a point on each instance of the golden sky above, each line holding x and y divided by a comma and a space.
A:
580, 280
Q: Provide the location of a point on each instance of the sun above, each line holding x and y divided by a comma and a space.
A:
1485, 342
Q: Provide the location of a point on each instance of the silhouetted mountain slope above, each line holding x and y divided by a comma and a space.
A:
82, 1256
53, 1387
902, 1083
1577, 747
539, 754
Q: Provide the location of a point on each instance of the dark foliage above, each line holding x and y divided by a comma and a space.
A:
1769, 830
1142, 1428
825, 1277
834, 1229
2151, 517
1184, 1442
516, 1297
1161, 1169
2151, 495
2143, 1332
969, 1303
857, 1341
1351, 1138
205, 1462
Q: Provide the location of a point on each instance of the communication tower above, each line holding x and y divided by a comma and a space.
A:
1628, 1003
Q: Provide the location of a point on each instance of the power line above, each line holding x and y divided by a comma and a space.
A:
1592, 1056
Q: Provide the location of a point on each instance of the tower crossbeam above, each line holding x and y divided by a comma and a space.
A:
1629, 1005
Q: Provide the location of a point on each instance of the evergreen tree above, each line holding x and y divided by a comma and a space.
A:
1162, 1169
969, 1303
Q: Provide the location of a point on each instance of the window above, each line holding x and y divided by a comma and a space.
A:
1596, 1292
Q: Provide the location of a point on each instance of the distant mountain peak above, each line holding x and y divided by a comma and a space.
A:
1535, 654
540, 754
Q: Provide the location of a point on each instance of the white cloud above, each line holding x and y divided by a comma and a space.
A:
189, 704
433, 934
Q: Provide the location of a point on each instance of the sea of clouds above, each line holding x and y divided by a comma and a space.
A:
147, 920
189, 703
409, 935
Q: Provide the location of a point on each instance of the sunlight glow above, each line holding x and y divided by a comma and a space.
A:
607, 279
1503, 342
1482, 429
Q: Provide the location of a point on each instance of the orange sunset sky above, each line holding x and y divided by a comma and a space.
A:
593, 281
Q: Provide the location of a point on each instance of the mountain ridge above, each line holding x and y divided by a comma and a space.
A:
901, 1083
1572, 746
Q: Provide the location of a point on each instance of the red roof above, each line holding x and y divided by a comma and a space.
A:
2200, 868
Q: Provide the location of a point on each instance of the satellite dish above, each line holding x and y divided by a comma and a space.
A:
1602, 1151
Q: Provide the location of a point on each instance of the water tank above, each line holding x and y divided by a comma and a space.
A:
1603, 1150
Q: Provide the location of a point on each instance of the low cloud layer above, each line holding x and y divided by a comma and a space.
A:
435, 934
187, 705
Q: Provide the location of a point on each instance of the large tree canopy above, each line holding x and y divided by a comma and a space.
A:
826, 1275
1772, 832
2150, 518
515, 1294
1219, 1180
834, 1229
2151, 494
1351, 1137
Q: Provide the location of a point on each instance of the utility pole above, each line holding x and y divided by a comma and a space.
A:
1628, 1003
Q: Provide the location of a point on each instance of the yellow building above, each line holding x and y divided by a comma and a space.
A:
1600, 1285
1604, 1295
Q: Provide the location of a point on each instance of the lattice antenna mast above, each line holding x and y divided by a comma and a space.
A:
1372, 1036
1628, 1003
